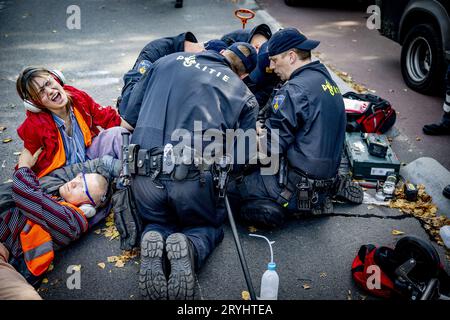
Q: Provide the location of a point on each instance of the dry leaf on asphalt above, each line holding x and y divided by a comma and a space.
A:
101, 265
18, 153
77, 267
2, 129
50, 267
306, 286
397, 232
245, 295
323, 275
112, 259
45, 281
119, 264
7, 140
252, 229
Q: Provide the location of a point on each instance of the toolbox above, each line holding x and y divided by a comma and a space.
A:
363, 164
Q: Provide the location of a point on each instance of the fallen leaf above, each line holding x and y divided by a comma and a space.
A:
18, 153
98, 231
397, 232
418, 138
101, 265
7, 140
112, 259
119, 264
50, 267
2, 129
77, 268
245, 295
109, 223
45, 281
252, 229
306, 286
323, 275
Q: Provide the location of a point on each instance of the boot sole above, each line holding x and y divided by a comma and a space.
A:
152, 280
181, 279
351, 192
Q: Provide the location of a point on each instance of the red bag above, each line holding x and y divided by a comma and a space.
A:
368, 113
368, 256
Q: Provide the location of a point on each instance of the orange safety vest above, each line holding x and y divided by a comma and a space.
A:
59, 159
37, 248
37, 245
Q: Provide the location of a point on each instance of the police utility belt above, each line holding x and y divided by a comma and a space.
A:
307, 189
163, 163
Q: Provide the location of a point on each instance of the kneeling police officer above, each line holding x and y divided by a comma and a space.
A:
177, 200
308, 116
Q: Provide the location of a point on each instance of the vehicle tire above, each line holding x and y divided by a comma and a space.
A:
422, 60
426, 256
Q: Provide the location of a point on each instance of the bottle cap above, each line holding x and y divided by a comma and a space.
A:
271, 266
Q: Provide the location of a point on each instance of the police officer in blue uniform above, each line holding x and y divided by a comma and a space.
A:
184, 95
149, 54
308, 116
256, 36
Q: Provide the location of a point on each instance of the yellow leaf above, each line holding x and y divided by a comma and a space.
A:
112, 259
2, 129
119, 264
98, 231
77, 268
252, 229
397, 232
323, 275
50, 267
109, 224
306, 286
7, 140
245, 295
45, 281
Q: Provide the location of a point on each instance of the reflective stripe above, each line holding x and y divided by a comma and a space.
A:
27, 228
38, 251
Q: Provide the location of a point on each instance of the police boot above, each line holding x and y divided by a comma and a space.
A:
325, 207
263, 213
446, 192
349, 191
442, 128
152, 279
180, 253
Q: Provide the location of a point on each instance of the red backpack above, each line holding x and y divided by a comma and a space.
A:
368, 113
362, 269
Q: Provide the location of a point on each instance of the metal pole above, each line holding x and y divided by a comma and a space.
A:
240, 252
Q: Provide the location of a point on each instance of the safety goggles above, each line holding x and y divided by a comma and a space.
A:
86, 190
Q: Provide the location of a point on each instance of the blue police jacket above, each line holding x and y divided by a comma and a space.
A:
309, 113
150, 53
182, 88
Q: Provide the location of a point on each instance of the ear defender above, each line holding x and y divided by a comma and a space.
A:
28, 104
88, 210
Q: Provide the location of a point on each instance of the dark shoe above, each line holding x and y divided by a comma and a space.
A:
436, 129
152, 280
446, 192
326, 208
349, 191
181, 257
179, 4
263, 213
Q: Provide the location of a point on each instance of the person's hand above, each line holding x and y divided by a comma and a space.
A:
27, 159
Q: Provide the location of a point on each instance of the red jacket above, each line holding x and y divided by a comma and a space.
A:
39, 129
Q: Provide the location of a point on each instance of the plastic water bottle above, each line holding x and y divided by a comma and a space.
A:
445, 235
270, 280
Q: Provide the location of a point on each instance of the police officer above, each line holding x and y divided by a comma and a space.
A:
256, 36
177, 203
308, 117
149, 54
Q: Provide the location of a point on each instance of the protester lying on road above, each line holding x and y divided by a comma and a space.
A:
40, 216
64, 122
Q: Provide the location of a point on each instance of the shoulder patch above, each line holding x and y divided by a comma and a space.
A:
277, 102
143, 66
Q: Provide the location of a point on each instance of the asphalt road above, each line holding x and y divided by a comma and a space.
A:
314, 252
372, 61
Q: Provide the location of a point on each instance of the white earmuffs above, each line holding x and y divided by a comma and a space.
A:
88, 210
28, 104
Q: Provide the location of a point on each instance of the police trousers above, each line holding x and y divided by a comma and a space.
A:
182, 206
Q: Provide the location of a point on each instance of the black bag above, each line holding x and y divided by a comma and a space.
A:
127, 219
374, 116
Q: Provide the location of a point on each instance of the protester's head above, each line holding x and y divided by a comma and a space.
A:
242, 57
289, 50
41, 89
90, 188
260, 35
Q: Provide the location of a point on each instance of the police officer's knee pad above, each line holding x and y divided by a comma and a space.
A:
263, 213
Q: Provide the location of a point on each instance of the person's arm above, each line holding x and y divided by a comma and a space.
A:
64, 223
136, 97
